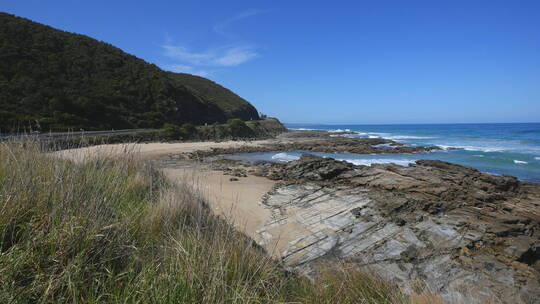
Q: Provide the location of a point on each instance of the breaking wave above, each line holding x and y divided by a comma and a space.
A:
472, 148
370, 161
284, 157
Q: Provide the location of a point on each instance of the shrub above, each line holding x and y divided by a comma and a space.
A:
171, 131
188, 131
239, 128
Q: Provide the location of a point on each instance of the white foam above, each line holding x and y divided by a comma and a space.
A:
537, 158
339, 130
284, 157
483, 149
383, 146
302, 129
397, 137
445, 147
471, 148
478, 155
520, 162
370, 161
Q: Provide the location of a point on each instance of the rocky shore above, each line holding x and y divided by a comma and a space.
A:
462, 231
469, 236
318, 141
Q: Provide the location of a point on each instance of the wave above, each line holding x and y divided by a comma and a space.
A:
302, 129
378, 135
520, 162
444, 147
370, 161
284, 157
398, 137
472, 148
537, 158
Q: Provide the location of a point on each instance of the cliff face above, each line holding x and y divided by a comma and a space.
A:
55, 80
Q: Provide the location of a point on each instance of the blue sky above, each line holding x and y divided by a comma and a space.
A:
333, 61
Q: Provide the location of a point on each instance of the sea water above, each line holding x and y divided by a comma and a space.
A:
512, 149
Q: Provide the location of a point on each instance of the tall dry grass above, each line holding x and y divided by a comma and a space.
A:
105, 230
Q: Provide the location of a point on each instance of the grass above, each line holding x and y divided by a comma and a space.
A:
116, 231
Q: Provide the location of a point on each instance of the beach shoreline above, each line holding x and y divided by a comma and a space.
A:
423, 220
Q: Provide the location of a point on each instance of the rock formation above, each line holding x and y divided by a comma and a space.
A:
457, 229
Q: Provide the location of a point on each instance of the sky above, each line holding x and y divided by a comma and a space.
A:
365, 62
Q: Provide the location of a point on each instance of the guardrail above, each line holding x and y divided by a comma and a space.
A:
4, 137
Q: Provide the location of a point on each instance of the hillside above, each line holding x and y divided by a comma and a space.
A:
55, 80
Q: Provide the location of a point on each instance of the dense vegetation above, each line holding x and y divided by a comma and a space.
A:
96, 230
233, 129
55, 80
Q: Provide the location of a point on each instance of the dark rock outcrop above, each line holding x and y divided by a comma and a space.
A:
318, 141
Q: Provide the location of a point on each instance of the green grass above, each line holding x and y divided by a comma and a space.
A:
115, 231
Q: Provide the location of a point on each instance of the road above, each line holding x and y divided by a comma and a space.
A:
4, 137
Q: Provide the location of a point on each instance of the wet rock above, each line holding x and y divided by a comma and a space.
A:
311, 167
316, 141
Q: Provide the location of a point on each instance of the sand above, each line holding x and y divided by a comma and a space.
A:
152, 150
240, 203
237, 201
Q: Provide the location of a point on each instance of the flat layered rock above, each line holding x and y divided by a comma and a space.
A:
461, 231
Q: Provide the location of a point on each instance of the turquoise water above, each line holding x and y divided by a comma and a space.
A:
512, 149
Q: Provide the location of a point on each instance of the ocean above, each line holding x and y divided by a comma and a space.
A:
505, 148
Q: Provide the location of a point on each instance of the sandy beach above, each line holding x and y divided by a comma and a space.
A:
238, 201
153, 150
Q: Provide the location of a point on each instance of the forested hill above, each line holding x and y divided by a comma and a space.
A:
55, 80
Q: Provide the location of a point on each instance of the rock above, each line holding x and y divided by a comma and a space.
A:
311, 167
469, 235
233, 179
317, 141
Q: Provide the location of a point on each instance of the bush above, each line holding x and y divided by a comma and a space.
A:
239, 128
188, 131
171, 131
